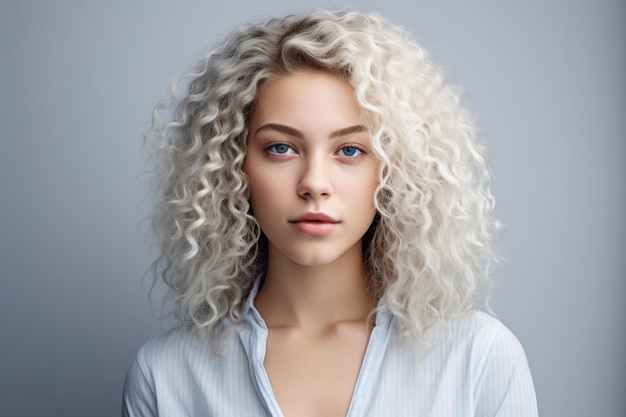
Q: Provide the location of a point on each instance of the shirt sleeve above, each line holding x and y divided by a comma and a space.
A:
139, 398
505, 386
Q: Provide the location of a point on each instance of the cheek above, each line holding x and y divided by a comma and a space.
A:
265, 191
362, 190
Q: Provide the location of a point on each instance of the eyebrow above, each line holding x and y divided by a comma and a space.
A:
288, 130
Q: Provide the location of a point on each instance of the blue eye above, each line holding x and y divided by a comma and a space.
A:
279, 148
350, 151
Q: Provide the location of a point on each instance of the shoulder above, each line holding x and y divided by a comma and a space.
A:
180, 349
477, 323
172, 366
496, 366
482, 331
145, 373
164, 351
167, 346
482, 338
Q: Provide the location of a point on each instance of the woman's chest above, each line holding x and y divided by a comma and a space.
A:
315, 376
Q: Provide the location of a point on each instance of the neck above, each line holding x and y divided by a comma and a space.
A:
315, 297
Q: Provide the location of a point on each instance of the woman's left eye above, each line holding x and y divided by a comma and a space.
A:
350, 151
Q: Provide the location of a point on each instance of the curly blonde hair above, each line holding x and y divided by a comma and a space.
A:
429, 252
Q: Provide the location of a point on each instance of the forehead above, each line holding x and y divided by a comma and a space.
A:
308, 99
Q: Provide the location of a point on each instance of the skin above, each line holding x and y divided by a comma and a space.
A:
308, 153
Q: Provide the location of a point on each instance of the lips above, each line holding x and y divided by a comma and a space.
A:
315, 224
314, 217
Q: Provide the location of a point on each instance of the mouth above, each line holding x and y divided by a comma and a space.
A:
315, 224
314, 217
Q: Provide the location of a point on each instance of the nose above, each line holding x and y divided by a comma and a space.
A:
315, 181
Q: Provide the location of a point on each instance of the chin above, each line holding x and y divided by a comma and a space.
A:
313, 262
313, 259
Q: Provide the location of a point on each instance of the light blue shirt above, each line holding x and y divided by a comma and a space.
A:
477, 368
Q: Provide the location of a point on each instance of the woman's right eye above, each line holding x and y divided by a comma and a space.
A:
280, 148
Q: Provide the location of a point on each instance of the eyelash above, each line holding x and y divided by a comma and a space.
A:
359, 150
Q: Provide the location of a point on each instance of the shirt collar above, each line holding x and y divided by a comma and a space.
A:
248, 310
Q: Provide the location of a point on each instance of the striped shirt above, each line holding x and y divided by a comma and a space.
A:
477, 368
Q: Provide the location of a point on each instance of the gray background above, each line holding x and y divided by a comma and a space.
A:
78, 80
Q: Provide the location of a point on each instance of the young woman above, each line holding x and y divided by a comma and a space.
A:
325, 224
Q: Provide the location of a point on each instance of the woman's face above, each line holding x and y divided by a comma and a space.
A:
312, 174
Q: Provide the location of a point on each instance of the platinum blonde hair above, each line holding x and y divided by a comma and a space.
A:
428, 254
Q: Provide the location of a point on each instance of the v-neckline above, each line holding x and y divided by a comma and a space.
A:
366, 377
